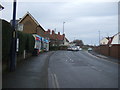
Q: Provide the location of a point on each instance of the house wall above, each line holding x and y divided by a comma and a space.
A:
116, 39
104, 41
66, 43
29, 26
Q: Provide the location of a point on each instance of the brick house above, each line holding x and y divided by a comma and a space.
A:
29, 25
56, 39
104, 41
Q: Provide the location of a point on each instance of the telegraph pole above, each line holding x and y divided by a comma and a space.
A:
99, 38
14, 40
63, 27
63, 33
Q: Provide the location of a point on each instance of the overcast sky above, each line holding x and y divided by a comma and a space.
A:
83, 19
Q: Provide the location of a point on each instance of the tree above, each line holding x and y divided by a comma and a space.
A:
78, 43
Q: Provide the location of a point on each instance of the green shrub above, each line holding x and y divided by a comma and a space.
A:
26, 42
54, 47
6, 39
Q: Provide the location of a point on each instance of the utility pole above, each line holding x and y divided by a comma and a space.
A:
14, 40
63, 27
99, 38
63, 33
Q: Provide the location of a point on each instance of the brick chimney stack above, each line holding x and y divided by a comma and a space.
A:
49, 31
63, 36
53, 32
58, 33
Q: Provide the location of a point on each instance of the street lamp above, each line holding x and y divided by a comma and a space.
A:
63, 27
63, 33
99, 38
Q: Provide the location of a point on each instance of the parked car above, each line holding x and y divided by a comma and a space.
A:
69, 48
75, 48
80, 49
89, 49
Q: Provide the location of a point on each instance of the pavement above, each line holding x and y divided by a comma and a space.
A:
104, 57
31, 73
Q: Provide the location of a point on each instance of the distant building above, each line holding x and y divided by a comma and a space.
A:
28, 24
104, 41
111, 40
116, 39
56, 39
66, 42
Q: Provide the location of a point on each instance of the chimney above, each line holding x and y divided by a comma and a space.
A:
58, 33
64, 35
53, 32
48, 31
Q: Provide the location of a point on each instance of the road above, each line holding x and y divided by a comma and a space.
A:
69, 69
63, 69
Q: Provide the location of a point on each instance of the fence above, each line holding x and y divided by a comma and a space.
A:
109, 50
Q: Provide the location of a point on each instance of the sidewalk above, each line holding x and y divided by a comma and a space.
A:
32, 73
104, 57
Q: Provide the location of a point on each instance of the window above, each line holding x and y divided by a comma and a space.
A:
20, 27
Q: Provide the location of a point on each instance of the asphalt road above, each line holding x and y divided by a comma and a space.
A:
63, 69
69, 69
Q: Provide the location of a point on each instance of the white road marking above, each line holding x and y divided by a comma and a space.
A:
69, 58
54, 81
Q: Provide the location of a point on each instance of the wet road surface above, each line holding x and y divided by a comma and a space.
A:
69, 69
63, 69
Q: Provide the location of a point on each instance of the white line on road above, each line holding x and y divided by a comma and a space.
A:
69, 58
55, 81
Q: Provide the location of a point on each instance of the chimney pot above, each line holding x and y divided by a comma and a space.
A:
58, 33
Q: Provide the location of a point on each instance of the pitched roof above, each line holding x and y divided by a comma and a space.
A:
1, 7
66, 39
54, 35
28, 14
110, 40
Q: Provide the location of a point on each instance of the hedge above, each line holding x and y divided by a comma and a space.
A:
26, 42
54, 47
58, 47
6, 39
